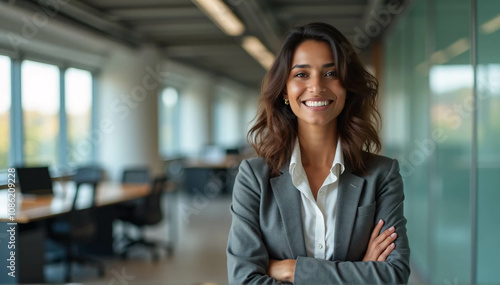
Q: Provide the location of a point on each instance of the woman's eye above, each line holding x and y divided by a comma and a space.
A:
331, 73
300, 74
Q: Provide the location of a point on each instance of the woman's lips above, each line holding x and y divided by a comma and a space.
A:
317, 105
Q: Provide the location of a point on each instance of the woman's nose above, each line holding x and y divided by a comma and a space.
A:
315, 85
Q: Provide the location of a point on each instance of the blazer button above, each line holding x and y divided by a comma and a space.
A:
320, 246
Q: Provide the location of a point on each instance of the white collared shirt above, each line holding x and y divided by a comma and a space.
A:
318, 217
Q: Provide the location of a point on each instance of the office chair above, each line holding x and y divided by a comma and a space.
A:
146, 213
79, 227
136, 175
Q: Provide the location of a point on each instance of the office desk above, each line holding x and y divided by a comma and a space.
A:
31, 215
206, 177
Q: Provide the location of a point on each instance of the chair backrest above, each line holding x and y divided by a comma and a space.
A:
150, 210
83, 222
136, 175
86, 175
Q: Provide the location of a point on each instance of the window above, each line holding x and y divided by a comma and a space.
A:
40, 105
169, 122
4, 110
78, 114
228, 131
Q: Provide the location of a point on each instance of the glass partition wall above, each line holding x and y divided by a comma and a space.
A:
443, 129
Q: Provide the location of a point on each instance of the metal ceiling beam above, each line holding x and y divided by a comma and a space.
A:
194, 41
373, 5
179, 29
262, 19
330, 10
250, 83
341, 24
118, 4
156, 12
203, 50
88, 16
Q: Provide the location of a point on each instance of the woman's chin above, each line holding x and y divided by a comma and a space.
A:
317, 122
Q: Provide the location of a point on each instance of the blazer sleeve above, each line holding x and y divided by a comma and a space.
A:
247, 256
395, 270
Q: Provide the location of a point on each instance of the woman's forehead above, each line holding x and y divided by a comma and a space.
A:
312, 52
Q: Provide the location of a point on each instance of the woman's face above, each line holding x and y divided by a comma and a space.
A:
316, 95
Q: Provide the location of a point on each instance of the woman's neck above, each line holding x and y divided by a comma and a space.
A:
317, 144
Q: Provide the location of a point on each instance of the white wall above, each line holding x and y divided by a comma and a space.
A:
129, 86
198, 91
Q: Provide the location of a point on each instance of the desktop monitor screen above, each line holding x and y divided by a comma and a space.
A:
34, 180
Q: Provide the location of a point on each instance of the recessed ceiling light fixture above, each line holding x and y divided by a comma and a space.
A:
222, 16
258, 51
491, 26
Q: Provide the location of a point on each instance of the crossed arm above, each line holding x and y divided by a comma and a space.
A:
379, 248
249, 262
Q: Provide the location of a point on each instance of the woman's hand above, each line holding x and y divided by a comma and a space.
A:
282, 270
380, 246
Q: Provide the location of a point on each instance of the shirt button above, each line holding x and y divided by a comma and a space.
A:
320, 246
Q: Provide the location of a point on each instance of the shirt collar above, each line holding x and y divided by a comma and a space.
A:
296, 158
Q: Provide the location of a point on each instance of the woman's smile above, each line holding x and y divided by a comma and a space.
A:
317, 104
313, 89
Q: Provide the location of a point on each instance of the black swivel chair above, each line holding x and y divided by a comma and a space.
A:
79, 227
136, 175
147, 212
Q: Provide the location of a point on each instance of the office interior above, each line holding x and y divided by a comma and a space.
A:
170, 87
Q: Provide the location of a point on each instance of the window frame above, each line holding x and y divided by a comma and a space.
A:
16, 155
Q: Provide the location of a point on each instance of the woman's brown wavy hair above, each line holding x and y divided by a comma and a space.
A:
275, 130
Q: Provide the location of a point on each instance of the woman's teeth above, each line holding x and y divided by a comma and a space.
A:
316, 103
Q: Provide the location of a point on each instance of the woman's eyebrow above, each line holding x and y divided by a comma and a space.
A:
308, 66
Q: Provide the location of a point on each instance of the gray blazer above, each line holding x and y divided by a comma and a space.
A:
267, 224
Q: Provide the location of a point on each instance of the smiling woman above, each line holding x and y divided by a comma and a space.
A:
318, 206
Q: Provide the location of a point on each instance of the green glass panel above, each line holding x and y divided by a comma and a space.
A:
488, 127
451, 83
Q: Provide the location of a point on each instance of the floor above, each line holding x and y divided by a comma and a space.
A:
199, 256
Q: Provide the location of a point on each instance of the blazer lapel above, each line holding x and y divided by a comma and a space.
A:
288, 200
349, 192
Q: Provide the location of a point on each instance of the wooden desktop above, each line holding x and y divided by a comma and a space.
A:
32, 214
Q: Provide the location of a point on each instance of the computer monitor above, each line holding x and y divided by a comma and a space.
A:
34, 180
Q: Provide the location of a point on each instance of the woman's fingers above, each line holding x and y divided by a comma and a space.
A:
383, 256
376, 230
389, 236
384, 235
380, 246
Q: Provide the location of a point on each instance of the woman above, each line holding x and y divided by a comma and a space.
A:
318, 206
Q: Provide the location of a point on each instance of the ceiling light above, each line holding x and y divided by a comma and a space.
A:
258, 51
491, 26
222, 16
458, 47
